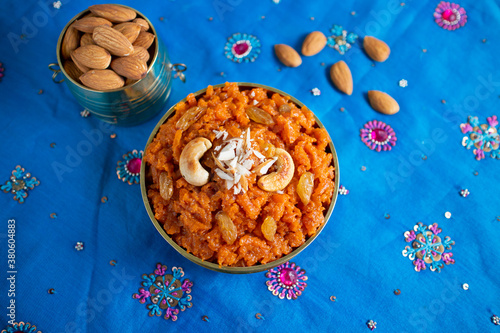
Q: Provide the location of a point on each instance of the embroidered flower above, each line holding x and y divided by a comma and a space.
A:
20, 327
403, 83
378, 136
450, 16
287, 280
242, 48
483, 137
340, 39
166, 292
19, 183
428, 248
129, 169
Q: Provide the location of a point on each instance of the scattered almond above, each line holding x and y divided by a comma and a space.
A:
114, 13
143, 23
314, 43
87, 40
70, 42
376, 49
145, 39
88, 24
129, 30
140, 53
287, 55
81, 67
72, 70
92, 56
382, 102
102, 79
341, 77
130, 67
113, 41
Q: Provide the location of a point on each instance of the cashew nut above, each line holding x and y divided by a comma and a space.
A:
189, 162
279, 179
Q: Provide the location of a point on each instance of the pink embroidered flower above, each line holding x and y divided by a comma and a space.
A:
378, 136
450, 16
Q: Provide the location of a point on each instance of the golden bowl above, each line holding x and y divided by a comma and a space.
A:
214, 266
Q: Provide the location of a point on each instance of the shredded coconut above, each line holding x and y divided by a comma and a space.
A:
235, 156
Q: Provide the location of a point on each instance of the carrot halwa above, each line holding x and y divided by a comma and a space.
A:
236, 216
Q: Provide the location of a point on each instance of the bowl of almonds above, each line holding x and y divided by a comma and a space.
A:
114, 64
239, 177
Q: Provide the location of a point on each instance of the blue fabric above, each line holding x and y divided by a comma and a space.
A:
358, 257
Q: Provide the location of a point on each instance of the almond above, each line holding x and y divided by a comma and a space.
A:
130, 67
314, 43
287, 55
341, 77
70, 42
72, 70
143, 23
88, 24
382, 102
92, 56
113, 41
129, 30
102, 79
87, 40
145, 39
140, 53
81, 67
376, 49
114, 13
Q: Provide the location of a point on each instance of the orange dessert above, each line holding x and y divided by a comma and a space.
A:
240, 177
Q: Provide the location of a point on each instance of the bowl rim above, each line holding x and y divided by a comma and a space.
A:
214, 266
60, 60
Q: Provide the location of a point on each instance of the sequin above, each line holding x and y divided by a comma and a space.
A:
343, 190
371, 324
79, 246
316, 92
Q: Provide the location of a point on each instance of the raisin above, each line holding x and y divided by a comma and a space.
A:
190, 117
268, 228
305, 187
259, 116
285, 108
227, 227
166, 186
